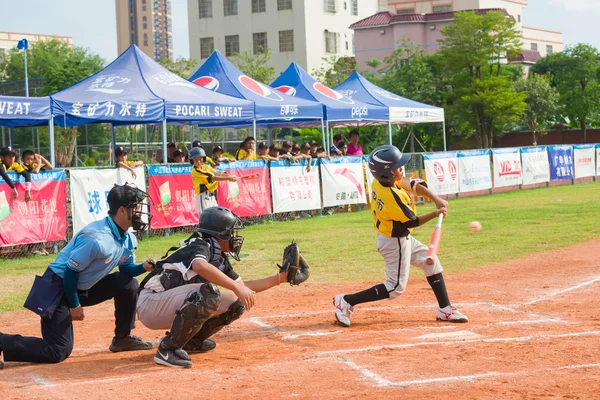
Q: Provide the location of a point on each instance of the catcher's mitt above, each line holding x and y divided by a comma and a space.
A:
294, 264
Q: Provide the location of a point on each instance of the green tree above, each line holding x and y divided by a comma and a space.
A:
184, 67
576, 74
474, 50
334, 70
542, 103
256, 66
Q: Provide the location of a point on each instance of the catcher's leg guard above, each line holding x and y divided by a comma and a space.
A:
212, 326
196, 310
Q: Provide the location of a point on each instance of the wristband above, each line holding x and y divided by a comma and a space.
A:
27, 186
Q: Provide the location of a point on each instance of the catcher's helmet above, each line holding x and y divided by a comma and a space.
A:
219, 222
197, 152
384, 159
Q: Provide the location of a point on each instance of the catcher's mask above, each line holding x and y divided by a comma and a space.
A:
223, 224
136, 202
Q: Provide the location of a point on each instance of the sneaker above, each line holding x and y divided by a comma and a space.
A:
343, 310
129, 343
450, 314
195, 346
172, 358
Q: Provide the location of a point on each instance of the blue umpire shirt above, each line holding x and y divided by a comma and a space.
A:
95, 251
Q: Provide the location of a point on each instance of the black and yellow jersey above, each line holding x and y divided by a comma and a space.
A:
30, 168
18, 168
394, 212
129, 163
203, 179
210, 162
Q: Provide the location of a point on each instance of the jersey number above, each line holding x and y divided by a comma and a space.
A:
378, 201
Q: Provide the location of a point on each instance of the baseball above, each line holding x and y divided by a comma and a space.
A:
474, 226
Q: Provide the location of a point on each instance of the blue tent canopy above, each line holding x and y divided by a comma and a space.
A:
338, 108
402, 110
24, 111
134, 89
219, 75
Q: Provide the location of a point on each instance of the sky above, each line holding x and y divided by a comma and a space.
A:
92, 24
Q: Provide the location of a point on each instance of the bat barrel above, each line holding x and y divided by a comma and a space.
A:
434, 242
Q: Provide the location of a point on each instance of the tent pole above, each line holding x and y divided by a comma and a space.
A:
390, 130
444, 132
164, 142
254, 129
114, 144
328, 137
51, 141
323, 136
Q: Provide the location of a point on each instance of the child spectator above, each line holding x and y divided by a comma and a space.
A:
8, 163
263, 152
246, 151
217, 155
343, 149
303, 152
274, 151
171, 147
354, 148
179, 156
335, 150
33, 163
121, 156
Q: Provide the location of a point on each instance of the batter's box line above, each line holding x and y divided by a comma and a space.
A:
559, 292
383, 382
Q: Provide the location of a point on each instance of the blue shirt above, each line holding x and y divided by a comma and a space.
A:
95, 251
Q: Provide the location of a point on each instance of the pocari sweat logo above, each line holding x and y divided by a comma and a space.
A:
207, 82
332, 94
285, 89
259, 89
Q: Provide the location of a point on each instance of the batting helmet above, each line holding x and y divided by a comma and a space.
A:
384, 160
197, 152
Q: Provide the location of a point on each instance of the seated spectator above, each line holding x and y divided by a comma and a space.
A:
8, 163
121, 161
33, 163
274, 151
354, 148
179, 156
343, 149
246, 151
263, 152
217, 155
334, 150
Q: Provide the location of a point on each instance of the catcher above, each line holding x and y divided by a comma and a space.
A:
180, 294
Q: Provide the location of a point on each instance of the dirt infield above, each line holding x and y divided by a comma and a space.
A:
534, 332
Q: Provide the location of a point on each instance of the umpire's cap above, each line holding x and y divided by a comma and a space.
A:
197, 152
219, 222
384, 160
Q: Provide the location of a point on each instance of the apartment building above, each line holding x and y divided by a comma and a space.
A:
8, 40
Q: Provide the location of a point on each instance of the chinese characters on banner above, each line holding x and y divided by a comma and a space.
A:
561, 162
534, 164
43, 218
507, 167
294, 188
250, 196
474, 170
172, 191
89, 191
441, 170
584, 158
343, 181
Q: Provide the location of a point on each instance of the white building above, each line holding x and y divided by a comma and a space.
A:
303, 31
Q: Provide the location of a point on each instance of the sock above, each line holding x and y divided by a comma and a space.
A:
439, 289
375, 293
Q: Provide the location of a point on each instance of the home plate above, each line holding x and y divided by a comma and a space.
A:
450, 335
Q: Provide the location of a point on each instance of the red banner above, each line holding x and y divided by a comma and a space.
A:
249, 196
172, 192
43, 218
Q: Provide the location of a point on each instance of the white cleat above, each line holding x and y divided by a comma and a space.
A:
343, 310
450, 314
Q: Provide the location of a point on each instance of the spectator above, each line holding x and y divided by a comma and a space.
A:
8, 163
286, 151
303, 152
274, 151
317, 152
342, 148
121, 161
334, 150
217, 155
196, 143
246, 151
179, 156
354, 148
171, 147
263, 152
33, 163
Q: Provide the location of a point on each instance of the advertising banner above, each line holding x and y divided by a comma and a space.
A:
535, 166
172, 191
293, 187
507, 167
249, 196
343, 181
369, 176
584, 156
561, 162
474, 170
89, 190
442, 172
43, 218
598, 160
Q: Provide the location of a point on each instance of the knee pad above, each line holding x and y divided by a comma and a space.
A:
215, 324
194, 312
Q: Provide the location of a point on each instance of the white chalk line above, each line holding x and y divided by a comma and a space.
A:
459, 342
311, 334
383, 382
549, 296
257, 321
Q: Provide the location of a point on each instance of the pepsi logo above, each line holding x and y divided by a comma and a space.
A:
258, 88
207, 82
332, 94
452, 168
285, 89
438, 170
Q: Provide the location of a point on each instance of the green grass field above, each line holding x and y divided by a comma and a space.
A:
341, 247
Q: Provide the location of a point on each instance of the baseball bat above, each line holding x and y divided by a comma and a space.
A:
434, 242
253, 176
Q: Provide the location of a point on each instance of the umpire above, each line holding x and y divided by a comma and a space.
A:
80, 277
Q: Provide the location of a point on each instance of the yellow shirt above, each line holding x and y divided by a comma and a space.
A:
394, 212
129, 163
18, 168
33, 166
211, 162
203, 179
242, 153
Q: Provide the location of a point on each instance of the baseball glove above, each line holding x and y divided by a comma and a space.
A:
294, 264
